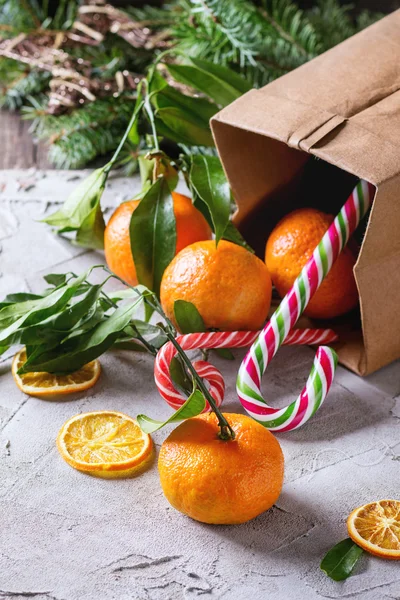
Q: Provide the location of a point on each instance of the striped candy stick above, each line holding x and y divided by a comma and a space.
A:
285, 317
219, 339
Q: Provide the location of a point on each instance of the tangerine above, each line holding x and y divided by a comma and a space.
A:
230, 287
191, 227
216, 481
289, 247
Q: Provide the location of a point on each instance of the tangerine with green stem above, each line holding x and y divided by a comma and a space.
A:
223, 482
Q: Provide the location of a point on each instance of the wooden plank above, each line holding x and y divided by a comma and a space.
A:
18, 149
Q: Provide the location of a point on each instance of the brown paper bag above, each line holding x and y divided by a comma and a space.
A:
304, 140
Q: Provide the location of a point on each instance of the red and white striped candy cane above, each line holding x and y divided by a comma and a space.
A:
219, 339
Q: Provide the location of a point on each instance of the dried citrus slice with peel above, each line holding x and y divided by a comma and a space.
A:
104, 443
47, 384
375, 527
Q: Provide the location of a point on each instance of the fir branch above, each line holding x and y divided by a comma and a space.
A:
32, 8
153, 16
291, 25
27, 84
262, 43
65, 15
367, 18
17, 16
85, 133
334, 22
90, 53
10, 73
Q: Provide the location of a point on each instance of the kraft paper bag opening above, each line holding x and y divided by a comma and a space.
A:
304, 140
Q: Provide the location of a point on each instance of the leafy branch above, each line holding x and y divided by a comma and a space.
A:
159, 107
73, 322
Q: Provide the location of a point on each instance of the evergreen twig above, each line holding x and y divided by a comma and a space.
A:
83, 134
89, 53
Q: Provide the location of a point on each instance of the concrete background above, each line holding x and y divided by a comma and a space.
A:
69, 536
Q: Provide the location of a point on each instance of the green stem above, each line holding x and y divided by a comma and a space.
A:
149, 110
134, 116
226, 432
145, 343
147, 102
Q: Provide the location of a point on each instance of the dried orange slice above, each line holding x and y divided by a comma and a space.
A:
375, 527
104, 443
48, 384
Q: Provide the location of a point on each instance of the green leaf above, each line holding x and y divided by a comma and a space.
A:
15, 317
224, 353
128, 293
129, 345
91, 233
80, 202
209, 181
153, 234
56, 279
182, 118
152, 333
238, 82
156, 83
81, 211
199, 110
18, 297
10, 312
180, 377
74, 353
219, 83
193, 406
181, 127
188, 318
340, 561
232, 235
95, 316
70, 316
148, 312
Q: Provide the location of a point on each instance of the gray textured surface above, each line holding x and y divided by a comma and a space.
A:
67, 536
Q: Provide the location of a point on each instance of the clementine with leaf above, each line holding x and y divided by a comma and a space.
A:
191, 226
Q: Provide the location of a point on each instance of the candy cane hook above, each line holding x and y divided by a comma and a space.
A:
219, 339
285, 317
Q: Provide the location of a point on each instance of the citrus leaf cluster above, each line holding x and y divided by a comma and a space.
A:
73, 322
